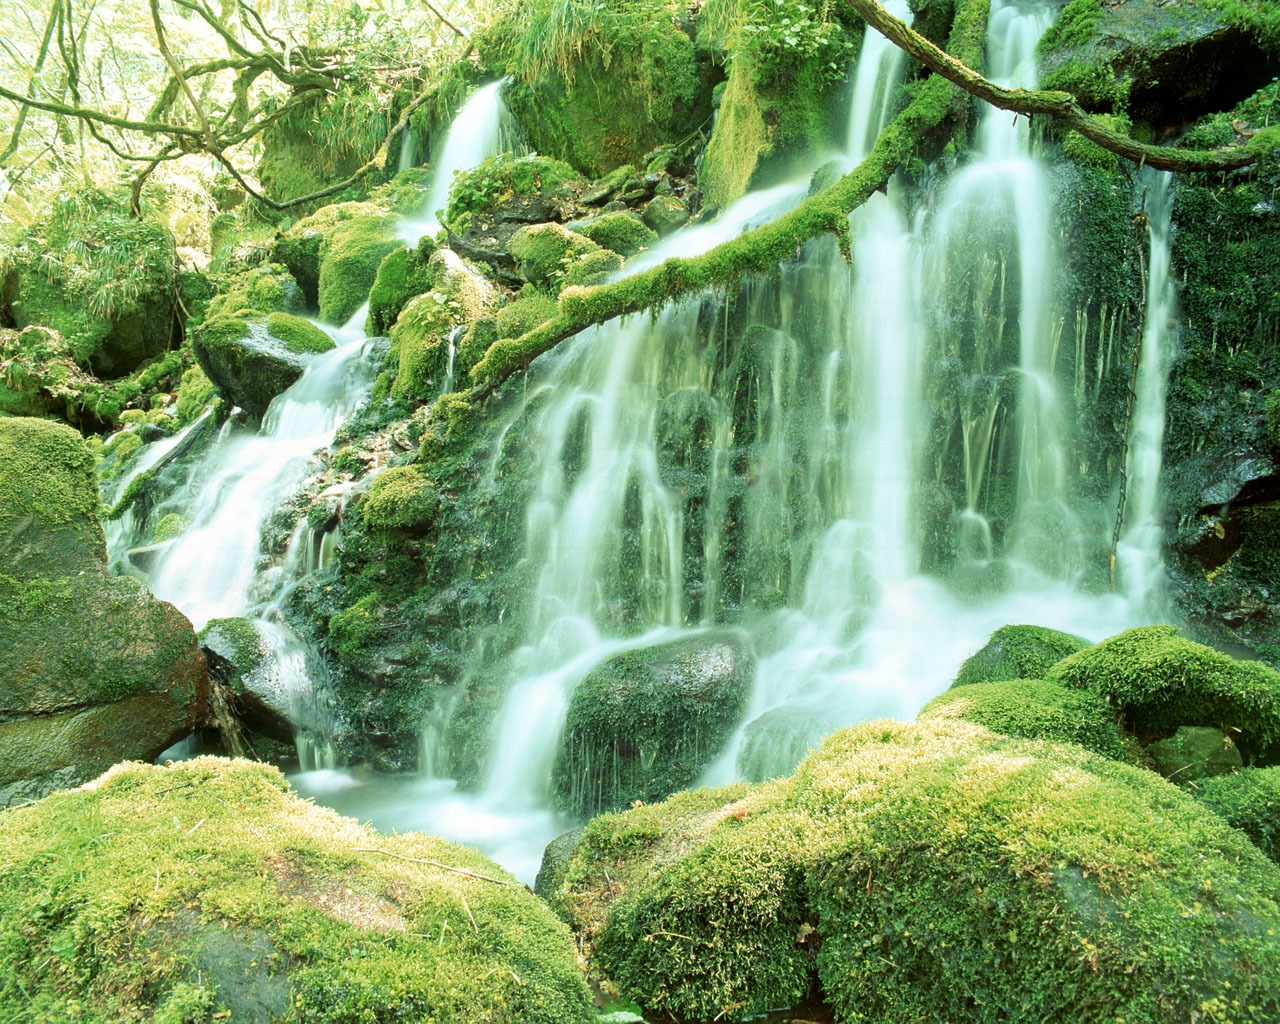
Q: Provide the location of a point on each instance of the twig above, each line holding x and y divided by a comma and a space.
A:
435, 864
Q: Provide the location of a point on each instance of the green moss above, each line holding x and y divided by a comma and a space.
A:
1034, 710
1250, 801
524, 314
621, 232
544, 251
1273, 418
261, 289
195, 394
402, 274
1018, 652
1086, 151
301, 337
933, 871
209, 886
168, 527
353, 629
350, 264
239, 641
504, 177
1159, 681
592, 268
400, 498
303, 246
1075, 26
738, 142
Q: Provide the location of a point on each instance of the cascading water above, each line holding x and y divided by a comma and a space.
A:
482, 129
1139, 551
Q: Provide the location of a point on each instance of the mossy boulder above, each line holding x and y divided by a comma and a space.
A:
1159, 681
1249, 800
665, 214
620, 232
299, 336
592, 268
350, 263
1033, 709
603, 88
301, 249
511, 187
1018, 652
207, 890
543, 253
40, 377
243, 657
95, 669
648, 722
399, 498
246, 364
1161, 62
932, 871
265, 288
738, 142
103, 279
1194, 752
524, 314
402, 274
459, 294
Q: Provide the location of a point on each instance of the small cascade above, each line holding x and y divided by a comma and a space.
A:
483, 128
1140, 549
408, 151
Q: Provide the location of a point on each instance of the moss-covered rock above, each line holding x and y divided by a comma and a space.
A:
1033, 709
602, 86
538, 182
195, 394
933, 871
647, 723
1018, 652
207, 890
265, 288
299, 336
350, 262
524, 314
102, 278
399, 498
459, 294
301, 249
1249, 800
245, 363
95, 669
738, 142
665, 214
543, 253
1159, 681
402, 274
621, 232
592, 268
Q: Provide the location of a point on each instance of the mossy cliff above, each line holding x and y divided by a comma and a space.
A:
208, 891
95, 669
933, 871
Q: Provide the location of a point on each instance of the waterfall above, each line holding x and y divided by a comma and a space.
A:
483, 128
1139, 552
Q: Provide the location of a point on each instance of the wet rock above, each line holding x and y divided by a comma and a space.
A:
646, 723
247, 366
554, 860
665, 214
94, 669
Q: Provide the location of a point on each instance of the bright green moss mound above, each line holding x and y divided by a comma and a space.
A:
524, 314
262, 289
1034, 710
1250, 801
1018, 652
399, 498
49, 500
544, 251
934, 871
208, 885
168, 527
1158, 680
624, 234
301, 337
195, 394
350, 264
401, 275
592, 268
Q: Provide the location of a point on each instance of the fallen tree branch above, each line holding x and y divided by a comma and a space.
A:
1060, 105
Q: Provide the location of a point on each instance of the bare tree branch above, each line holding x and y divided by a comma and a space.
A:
54, 14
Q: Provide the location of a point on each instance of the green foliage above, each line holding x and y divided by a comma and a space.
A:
350, 264
933, 871
503, 177
1250, 801
1034, 710
400, 498
301, 337
524, 314
544, 251
1018, 652
209, 884
402, 274
1159, 681
1273, 417
623, 233
265, 288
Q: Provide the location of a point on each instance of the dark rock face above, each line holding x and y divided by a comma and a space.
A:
247, 366
93, 669
646, 723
